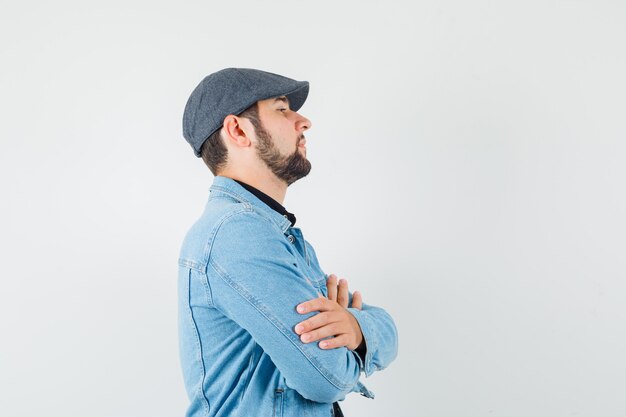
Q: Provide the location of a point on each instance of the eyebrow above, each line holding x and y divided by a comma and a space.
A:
283, 99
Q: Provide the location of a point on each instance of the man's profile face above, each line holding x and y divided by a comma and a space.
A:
280, 139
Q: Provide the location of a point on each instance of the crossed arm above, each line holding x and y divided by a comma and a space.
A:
245, 290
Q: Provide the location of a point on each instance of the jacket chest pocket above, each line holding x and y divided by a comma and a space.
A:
319, 283
313, 275
278, 402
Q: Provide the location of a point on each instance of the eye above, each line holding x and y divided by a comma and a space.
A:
282, 109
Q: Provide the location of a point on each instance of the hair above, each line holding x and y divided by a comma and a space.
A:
214, 152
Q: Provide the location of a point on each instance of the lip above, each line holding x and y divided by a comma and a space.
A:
302, 143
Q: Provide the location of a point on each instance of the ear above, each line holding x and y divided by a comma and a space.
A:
237, 130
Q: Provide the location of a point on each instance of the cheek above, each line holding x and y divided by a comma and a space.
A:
288, 139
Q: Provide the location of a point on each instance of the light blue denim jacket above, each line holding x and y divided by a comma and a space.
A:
242, 271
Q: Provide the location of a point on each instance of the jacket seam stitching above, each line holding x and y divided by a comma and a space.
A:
211, 240
199, 342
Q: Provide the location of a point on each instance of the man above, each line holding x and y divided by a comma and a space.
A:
263, 330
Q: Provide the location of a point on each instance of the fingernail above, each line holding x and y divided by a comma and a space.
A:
305, 337
323, 344
301, 309
299, 328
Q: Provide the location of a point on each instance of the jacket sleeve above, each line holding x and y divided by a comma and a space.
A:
255, 280
381, 337
379, 331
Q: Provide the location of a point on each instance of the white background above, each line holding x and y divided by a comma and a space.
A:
468, 176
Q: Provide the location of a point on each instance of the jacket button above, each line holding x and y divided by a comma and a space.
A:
290, 238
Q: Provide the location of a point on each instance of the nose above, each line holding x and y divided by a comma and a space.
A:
303, 123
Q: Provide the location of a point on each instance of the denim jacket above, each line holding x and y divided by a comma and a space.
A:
242, 271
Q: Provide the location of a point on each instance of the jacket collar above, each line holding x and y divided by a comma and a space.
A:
235, 190
269, 201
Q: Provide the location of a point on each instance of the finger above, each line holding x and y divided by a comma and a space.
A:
316, 321
357, 300
317, 304
331, 329
331, 285
335, 342
342, 293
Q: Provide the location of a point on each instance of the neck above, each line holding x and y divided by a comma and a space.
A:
272, 186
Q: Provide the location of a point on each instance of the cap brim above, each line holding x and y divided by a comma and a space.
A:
298, 95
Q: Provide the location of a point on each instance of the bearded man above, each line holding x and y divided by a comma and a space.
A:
263, 331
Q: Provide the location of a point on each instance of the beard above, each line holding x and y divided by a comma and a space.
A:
289, 168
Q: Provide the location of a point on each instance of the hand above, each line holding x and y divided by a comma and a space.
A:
333, 320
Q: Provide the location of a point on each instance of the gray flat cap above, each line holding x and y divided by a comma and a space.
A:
231, 91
